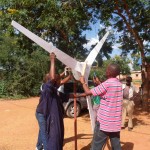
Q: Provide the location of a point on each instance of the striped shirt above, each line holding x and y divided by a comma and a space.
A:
110, 110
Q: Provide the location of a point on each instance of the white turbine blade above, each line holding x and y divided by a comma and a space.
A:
93, 54
63, 57
91, 112
89, 60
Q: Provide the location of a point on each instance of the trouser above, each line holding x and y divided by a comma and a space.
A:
100, 138
95, 109
42, 136
127, 108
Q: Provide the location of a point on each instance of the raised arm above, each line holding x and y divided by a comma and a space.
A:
66, 79
62, 74
52, 66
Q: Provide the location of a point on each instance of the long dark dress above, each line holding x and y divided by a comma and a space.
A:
53, 111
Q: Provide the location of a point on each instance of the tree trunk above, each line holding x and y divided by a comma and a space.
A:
145, 69
146, 87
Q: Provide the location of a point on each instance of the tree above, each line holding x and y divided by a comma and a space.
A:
21, 74
123, 62
129, 18
135, 58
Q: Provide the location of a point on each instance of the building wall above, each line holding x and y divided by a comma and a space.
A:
136, 75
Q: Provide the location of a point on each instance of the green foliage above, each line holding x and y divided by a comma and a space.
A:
2, 89
23, 62
123, 62
135, 58
129, 19
148, 59
21, 73
101, 70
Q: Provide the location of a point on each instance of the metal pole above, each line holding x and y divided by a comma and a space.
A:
75, 115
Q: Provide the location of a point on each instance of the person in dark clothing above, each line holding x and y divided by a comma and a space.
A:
49, 112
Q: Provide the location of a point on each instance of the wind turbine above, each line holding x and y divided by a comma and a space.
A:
78, 68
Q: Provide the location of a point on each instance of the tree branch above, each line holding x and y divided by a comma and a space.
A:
133, 32
127, 10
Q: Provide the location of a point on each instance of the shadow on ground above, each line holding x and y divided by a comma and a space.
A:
124, 146
79, 136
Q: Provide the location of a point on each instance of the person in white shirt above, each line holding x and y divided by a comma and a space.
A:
129, 94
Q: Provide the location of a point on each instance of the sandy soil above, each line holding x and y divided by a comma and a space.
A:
19, 128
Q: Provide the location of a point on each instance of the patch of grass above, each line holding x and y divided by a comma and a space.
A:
137, 81
16, 97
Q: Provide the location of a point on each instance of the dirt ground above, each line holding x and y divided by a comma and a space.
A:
19, 128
